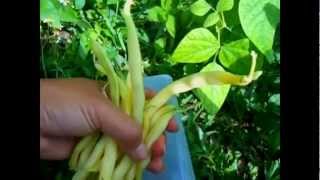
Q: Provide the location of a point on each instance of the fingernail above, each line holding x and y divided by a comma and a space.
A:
140, 152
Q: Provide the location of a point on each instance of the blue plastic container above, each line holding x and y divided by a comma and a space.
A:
177, 159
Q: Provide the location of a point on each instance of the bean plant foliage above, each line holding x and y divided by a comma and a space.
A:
233, 132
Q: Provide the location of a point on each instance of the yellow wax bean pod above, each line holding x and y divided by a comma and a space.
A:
122, 168
163, 110
109, 159
159, 128
135, 64
131, 174
73, 162
81, 175
97, 154
84, 156
199, 80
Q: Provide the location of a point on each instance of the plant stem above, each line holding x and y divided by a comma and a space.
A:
43, 63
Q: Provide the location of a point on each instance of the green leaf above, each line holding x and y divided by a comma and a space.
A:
109, 2
275, 99
79, 4
166, 4
156, 14
236, 56
67, 14
213, 96
84, 45
224, 5
197, 46
49, 13
274, 104
143, 36
47, 8
55, 13
273, 172
160, 43
200, 7
171, 25
211, 19
120, 38
259, 20
274, 140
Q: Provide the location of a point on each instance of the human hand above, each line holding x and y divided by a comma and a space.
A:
72, 108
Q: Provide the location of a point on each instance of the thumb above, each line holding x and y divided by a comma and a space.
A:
124, 130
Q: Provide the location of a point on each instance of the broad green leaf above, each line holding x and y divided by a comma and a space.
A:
156, 14
53, 12
224, 5
236, 56
166, 4
67, 14
79, 4
211, 19
47, 8
171, 25
212, 97
200, 7
49, 13
197, 46
259, 20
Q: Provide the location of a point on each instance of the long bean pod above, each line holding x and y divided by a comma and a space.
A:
135, 64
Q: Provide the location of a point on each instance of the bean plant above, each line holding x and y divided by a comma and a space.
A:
210, 48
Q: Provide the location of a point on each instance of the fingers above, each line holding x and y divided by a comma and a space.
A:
157, 152
172, 126
122, 129
149, 93
159, 147
56, 148
156, 165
